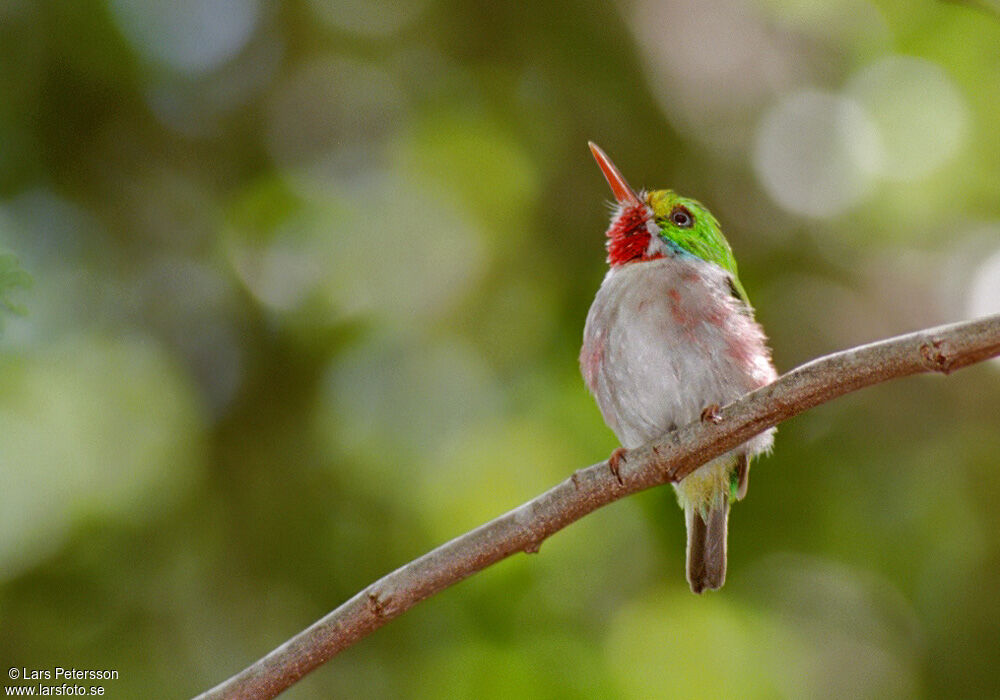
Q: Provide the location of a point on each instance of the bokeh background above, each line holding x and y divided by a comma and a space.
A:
310, 279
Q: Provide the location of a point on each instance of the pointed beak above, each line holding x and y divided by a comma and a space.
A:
623, 193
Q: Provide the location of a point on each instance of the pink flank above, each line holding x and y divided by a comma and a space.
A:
591, 357
681, 317
749, 348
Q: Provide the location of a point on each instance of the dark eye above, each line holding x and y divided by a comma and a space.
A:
681, 217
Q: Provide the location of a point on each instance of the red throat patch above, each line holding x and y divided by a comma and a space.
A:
628, 237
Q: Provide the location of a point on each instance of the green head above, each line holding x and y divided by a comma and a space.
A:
688, 226
681, 226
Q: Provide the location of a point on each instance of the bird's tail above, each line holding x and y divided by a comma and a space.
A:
706, 545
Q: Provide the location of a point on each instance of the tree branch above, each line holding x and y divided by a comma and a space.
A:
671, 458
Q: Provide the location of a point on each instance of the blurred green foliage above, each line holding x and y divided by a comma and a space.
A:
12, 277
309, 285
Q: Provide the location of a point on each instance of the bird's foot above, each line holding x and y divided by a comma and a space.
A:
614, 463
711, 414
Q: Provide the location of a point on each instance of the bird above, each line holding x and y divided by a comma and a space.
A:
670, 337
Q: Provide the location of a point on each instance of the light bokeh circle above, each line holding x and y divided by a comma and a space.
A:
816, 153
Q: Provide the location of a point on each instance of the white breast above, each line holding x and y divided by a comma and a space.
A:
663, 340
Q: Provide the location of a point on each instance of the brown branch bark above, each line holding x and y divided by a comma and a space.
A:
943, 349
